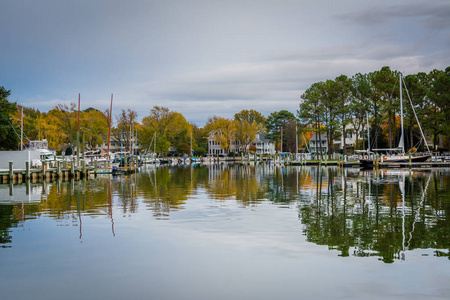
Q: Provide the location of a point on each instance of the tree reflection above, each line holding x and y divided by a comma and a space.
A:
364, 216
356, 213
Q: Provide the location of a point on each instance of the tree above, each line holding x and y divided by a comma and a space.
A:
200, 137
440, 96
66, 115
417, 89
311, 111
95, 126
248, 124
361, 91
8, 138
125, 131
169, 128
252, 116
222, 130
179, 134
245, 133
276, 123
386, 86
343, 86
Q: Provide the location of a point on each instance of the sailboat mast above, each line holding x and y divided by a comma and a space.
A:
21, 129
401, 143
368, 135
109, 127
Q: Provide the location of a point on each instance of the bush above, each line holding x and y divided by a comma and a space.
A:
69, 151
200, 151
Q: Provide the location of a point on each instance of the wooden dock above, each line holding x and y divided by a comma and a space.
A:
61, 171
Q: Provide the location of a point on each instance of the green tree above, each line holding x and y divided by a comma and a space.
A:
311, 111
386, 84
417, 90
361, 91
8, 138
440, 96
275, 124
200, 137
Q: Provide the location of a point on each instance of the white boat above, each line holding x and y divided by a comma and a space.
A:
401, 157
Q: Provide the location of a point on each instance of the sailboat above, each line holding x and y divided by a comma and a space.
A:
402, 157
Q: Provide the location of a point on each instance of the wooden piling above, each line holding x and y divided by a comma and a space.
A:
11, 172
27, 170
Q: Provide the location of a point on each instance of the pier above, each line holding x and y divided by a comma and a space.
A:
57, 170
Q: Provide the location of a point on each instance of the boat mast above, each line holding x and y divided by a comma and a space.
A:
21, 129
109, 127
368, 135
78, 132
401, 143
417, 119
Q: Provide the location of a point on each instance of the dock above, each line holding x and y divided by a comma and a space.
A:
59, 171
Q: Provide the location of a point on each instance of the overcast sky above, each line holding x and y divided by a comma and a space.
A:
211, 57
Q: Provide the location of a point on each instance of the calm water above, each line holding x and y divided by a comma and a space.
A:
229, 232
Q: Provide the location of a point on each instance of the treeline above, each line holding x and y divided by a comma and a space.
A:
332, 108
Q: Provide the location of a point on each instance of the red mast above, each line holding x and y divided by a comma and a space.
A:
109, 127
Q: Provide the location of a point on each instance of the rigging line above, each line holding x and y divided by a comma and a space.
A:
420, 205
25, 136
417, 119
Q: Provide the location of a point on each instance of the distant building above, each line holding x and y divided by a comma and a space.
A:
318, 144
115, 145
262, 144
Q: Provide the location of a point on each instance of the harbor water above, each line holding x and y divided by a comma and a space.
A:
229, 231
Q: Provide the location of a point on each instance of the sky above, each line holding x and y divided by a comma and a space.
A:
208, 57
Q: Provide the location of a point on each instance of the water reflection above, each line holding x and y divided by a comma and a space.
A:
356, 213
378, 214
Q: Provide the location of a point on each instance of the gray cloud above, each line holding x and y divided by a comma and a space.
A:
434, 14
202, 58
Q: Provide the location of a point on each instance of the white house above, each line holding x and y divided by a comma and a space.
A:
322, 145
263, 146
318, 143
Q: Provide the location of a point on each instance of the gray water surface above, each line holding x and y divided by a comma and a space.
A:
229, 232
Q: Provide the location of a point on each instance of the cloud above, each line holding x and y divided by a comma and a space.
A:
209, 57
433, 14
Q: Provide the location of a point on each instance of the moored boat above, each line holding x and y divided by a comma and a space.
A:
402, 157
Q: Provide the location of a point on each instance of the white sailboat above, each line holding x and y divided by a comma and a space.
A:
402, 156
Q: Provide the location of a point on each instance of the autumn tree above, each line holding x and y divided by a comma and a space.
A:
166, 128
125, 130
94, 125
222, 130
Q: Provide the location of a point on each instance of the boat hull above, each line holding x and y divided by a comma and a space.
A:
368, 163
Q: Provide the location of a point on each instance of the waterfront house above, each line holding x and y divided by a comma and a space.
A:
261, 143
318, 143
